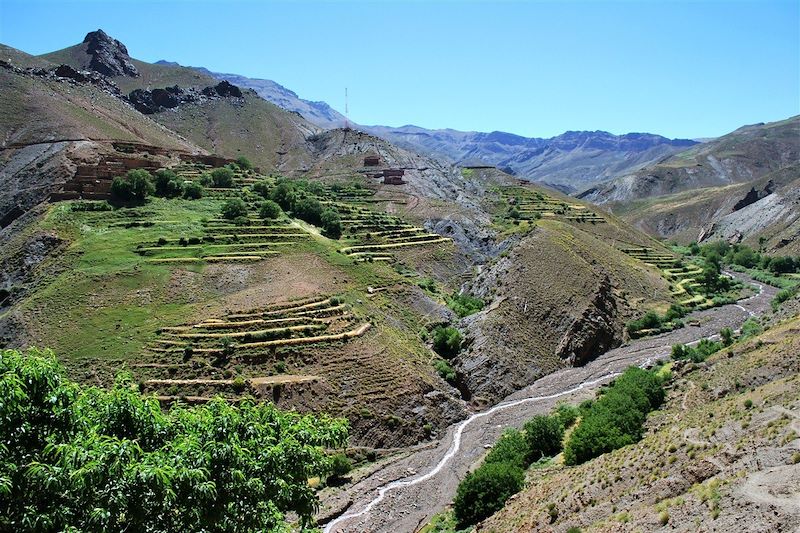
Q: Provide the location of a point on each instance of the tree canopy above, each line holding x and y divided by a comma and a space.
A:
84, 458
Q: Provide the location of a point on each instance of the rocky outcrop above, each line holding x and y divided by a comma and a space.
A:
157, 100
108, 56
66, 73
595, 332
754, 195
224, 89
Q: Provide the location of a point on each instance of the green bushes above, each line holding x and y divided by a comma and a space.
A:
134, 187
464, 304
543, 435
331, 223
653, 321
233, 209
446, 341
192, 191
75, 458
616, 418
167, 184
244, 163
308, 209
781, 297
485, 491
510, 448
340, 466
222, 177
445, 370
696, 354
270, 210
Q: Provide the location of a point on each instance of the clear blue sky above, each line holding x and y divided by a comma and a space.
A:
681, 69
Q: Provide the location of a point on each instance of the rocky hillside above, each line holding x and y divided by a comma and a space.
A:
741, 156
742, 187
318, 113
571, 161
722, 454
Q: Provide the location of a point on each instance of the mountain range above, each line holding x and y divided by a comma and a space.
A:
570, 162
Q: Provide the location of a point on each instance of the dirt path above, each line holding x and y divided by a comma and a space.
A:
406, 494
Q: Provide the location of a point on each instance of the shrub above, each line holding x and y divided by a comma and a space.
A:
727, 336
134, 187
485, 491
511, 448
748, 403
331, 223
446, 341
464, 304
261, 188
781, 297
340, 467
543, 435
270, 210
445, 370
750, 328
206, 180
234, 208
567, 414
239, 384
616, 418
192, 191
699, 353
283, 194
90, 459
308, 209
650, 320
244, 163
222, 177
167, 184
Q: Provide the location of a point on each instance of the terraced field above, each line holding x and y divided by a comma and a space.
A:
375, 235
682, 276
531, 204
223, 241
256, 337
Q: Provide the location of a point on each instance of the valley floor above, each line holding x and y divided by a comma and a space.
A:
405, 493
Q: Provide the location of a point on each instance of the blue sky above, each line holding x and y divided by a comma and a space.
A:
536, 68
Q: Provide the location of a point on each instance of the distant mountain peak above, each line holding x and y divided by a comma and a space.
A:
108, 55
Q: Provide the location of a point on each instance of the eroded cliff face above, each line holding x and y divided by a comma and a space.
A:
554, 304
596, 331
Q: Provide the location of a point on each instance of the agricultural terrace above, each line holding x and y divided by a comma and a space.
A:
376, 235
527, 204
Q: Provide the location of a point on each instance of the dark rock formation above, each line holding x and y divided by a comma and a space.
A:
595, 332
224, 89
109, 56
753, 196
66, 71
157, 100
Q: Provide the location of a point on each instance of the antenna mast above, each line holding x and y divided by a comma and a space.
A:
346, 111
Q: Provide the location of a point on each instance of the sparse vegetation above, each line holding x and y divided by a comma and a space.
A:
446, 341
464, 304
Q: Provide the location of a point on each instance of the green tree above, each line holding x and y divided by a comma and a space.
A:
446, 341
74, 458
284, 195
134, 187
193, 191
234, 208
331, 223
222, 177
261, 188
543, 435
167, 184
269, 210
244, 163
511, 448
308, 209
484, 492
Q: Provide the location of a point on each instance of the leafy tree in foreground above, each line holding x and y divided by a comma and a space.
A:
167, 184
88, 459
